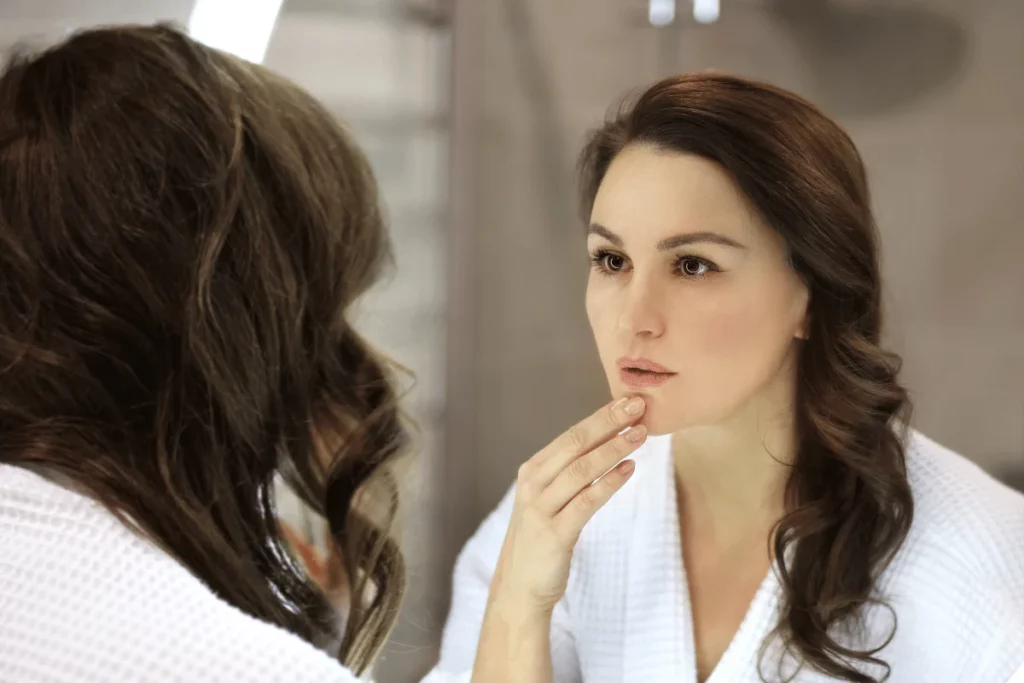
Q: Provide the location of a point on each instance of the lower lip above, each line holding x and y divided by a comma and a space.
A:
635, 379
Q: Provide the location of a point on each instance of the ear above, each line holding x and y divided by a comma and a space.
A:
803, 329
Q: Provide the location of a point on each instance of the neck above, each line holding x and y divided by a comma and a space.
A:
731, 477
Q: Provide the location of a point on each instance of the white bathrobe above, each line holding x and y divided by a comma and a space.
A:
83, 598
956, 585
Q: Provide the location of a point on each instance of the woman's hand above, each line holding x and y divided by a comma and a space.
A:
557, 492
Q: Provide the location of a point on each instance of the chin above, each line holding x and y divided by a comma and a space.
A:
659, 424
668, 413
659, 418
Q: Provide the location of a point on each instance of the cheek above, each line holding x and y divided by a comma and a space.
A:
599, 314
726, 331
744, 319
725, 351
744, 337
721, 330
602, 314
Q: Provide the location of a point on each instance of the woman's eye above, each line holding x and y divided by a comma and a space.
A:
693, 267
614, 262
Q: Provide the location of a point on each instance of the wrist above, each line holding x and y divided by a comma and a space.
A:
515, 643
519, 611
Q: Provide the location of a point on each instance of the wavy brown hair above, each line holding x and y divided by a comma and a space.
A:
849, 504
181, 236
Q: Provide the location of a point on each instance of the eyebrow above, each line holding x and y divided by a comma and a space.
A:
669, 243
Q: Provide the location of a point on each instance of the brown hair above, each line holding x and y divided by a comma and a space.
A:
181, 235
849, 504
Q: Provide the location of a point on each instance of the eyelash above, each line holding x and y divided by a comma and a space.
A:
599, 261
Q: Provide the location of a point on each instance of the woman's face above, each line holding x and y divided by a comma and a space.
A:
687, 276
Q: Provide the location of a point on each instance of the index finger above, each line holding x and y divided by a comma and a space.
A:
588, 434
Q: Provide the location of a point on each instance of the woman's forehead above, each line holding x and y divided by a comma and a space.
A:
650, 194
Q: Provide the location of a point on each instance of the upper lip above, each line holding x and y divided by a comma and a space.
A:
643, 364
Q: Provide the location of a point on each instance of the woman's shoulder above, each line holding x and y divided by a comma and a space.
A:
965, 520
957, 582
955, 496
84, 592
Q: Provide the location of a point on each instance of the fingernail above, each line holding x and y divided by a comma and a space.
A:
636, 433
634, 406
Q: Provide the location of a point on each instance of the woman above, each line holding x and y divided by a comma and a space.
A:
181, 235
781, 523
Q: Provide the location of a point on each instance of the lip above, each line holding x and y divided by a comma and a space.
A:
642, 364
640, 373
638, 379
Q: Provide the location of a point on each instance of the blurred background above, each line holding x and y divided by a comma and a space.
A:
472, 111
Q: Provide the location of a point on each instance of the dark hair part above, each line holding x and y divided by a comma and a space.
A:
849, 504
181, 235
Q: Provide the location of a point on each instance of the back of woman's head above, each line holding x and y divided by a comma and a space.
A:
849, 502
181, 234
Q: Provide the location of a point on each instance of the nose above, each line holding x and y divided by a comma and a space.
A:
641, 314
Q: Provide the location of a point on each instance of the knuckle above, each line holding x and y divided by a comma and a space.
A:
618, 447
585, 500
612, 480
612, 452
526, 490
577, 437
579, 470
